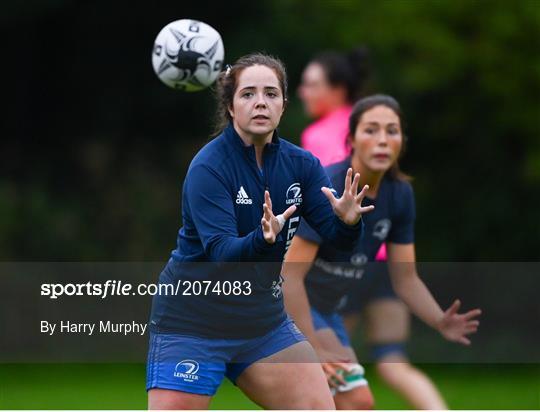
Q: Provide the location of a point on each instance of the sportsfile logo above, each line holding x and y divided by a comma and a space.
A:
187, 370
242, 198
294, 194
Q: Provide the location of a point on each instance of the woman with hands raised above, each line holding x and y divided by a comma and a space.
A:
319, 276
242, 200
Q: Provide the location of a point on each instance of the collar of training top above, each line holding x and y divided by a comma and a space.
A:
232, 136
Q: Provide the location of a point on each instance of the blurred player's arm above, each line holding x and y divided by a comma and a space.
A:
298, 261
412, 290
296, 265
408, 285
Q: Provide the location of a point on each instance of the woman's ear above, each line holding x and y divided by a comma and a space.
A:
350, 140
231, 112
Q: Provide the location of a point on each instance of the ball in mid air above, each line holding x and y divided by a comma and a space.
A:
188, 55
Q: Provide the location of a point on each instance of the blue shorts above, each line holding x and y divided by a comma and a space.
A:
332, 321
198, 365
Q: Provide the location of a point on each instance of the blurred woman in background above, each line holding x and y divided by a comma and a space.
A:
331, 82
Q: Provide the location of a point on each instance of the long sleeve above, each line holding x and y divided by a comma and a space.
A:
212, 211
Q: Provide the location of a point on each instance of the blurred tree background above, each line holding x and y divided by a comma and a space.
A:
94, 148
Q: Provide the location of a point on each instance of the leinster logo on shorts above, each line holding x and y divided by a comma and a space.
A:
381, 229
187, 370
294, 194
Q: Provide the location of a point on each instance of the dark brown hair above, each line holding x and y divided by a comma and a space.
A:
368, 103
227, 82
350, 70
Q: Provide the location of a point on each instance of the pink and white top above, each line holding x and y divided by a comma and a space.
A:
327, 137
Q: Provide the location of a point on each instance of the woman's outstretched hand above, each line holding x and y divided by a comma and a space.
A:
455, 326
272, 225
349, 206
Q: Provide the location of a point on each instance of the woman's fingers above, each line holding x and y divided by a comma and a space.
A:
366, 209
281, 222
360, 196
452, 310
267, 199
348, 178
332, 375
463, 340
356, 181
351, 187
267, 231
472, 314
329, 195
284, 216
289, 212
269, 219
331, 382
457, 326
267, 212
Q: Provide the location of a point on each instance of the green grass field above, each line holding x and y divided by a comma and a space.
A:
121, 386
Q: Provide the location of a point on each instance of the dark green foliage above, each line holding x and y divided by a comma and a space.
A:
94, 148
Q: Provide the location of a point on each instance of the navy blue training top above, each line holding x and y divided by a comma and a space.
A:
334, 270
221, 237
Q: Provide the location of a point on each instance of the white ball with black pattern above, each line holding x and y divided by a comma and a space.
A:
188, 55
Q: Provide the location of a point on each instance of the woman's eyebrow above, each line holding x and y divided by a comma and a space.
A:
379, 123
254, 87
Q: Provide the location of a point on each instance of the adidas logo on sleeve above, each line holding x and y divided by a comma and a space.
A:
242, 198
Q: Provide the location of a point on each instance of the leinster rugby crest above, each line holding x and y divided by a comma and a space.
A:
294, 195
